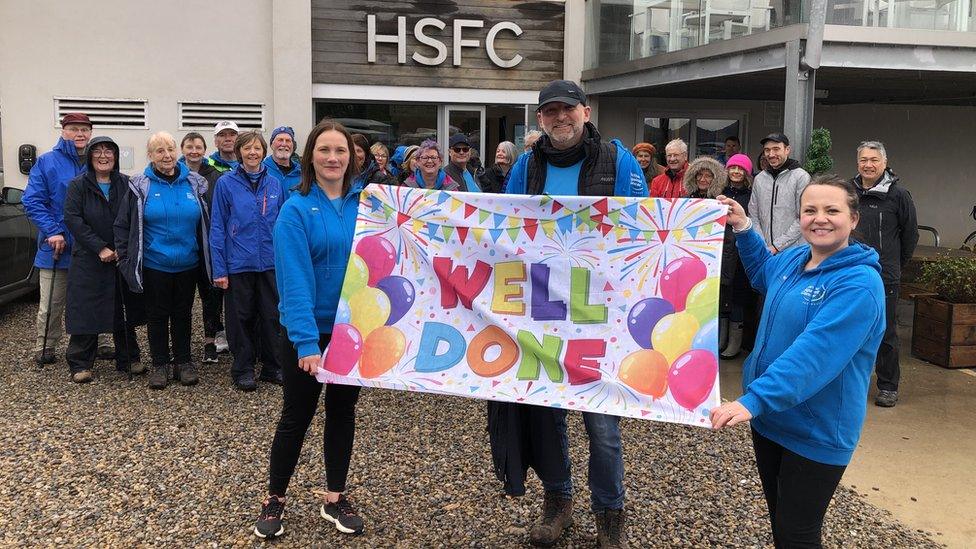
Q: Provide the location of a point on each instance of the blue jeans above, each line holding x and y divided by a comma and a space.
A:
606, 472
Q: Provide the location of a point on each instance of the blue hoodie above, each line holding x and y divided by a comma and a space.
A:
289, 181
397, 159
43, 200
565, 181
241, 222
171, 216
806, 382
312, 246
220, 164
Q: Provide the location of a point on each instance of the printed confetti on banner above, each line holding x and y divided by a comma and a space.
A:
598, 304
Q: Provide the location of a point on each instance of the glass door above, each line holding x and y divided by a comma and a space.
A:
466, 119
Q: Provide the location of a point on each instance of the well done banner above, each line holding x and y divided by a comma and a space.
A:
597, 304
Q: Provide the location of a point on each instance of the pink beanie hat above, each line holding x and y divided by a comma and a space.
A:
741, 161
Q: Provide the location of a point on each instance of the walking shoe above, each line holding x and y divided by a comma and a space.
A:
611, 529
135, 368
271, 377
343, 516
105, 352
159, 378
210, 352
245, 382
45, 357
220, 341
187, 373
557, 516
82, 376
269, 523
886, 399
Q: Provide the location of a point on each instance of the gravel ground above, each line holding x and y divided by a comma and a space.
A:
113, 464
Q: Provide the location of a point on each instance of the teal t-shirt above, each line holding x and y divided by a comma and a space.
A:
563, 181
105, 187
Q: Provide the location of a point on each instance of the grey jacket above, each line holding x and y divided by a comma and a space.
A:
775, 204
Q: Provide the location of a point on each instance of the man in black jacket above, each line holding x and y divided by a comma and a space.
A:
888, 225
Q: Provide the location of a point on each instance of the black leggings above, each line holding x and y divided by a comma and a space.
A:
301, 397
797, 490
169, 302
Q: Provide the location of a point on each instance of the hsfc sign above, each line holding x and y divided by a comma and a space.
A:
426, 32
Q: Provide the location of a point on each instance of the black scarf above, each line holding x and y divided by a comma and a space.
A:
788, 165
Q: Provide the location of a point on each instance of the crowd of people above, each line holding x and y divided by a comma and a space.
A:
263, 235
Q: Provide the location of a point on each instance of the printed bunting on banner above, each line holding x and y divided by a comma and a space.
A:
593, 304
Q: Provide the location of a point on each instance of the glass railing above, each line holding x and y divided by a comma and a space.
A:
625, 30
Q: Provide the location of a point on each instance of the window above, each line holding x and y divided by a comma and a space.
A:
391, 124
104, 113
704, 136
196, 115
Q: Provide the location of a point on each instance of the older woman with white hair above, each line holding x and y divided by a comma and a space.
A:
493, 180
161, 240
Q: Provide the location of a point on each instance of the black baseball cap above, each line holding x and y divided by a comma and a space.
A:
777, 137
561, 91
459, 139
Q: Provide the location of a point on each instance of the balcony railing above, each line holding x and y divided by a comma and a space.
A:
625, 30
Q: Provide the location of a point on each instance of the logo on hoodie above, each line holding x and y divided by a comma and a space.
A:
813, 295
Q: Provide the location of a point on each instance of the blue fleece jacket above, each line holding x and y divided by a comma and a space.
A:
241, 223
220, 164
43, 200
806, 382
313, 241
170, 221
397, 159
289, 181
564, 181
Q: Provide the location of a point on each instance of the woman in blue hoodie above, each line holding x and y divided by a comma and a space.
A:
245, 206
313, 240
806, 381
160, 240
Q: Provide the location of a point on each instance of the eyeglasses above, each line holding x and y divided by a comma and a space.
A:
461, 150
428, 158
103, 152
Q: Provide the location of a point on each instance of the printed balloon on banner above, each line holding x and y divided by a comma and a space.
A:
381, 351
357, 274
692, 377
673, 334
644, 316
342, 312
344, 349
369, 309
702, 300
645, 371
379, 255
679, 277
707, 337
401, 294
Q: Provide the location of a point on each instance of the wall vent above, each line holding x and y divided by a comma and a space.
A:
104, 113
197, 115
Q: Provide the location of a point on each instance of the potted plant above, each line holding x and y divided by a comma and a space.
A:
944, 330
818, 155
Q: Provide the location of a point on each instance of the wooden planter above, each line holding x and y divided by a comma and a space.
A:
944, 333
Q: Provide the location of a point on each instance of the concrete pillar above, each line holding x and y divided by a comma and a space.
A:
291, 43
574, 25
798, 101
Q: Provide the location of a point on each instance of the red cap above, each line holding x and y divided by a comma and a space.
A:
75, 118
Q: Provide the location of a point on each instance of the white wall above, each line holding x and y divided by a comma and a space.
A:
165, 52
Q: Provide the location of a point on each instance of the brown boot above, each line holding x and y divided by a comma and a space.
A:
557, 516
611, 529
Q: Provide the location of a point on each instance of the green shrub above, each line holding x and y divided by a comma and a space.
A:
818, 155
953, 278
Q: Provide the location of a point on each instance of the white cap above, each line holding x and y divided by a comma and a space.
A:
226, 125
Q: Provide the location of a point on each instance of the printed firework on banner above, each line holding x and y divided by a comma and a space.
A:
597, 304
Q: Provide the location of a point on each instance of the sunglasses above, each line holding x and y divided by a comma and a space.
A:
461, 149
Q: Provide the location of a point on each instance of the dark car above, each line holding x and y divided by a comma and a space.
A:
18, 244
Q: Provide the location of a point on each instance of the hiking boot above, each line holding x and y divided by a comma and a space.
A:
105, 352
82, 376
269, 523
245, 382
220, 342
45, 357
557, 517
886, 399
135, 368
271, 377
187, 373
342, 514
611, 529
210, 353
159, 378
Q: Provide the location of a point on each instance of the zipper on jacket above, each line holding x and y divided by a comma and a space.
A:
772, 205
880, 224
